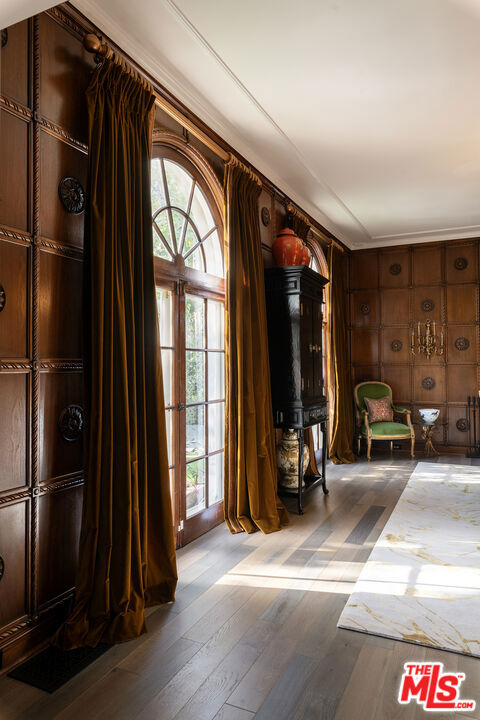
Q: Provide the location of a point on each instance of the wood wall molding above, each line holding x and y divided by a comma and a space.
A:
15, 108
59, 248
60, 133
24, 238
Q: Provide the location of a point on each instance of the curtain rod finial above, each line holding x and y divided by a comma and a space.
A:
93, 44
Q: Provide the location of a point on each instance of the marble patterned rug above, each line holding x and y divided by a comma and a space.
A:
421, 582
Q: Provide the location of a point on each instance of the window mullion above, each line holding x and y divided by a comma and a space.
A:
186, 218
169, 209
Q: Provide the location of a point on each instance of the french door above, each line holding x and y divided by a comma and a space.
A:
187, 226
193, 359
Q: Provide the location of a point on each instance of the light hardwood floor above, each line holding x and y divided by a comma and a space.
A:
253, 632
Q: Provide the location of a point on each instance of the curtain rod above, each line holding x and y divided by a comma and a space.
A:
92, 43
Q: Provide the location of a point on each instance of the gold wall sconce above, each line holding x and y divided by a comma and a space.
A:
426, 341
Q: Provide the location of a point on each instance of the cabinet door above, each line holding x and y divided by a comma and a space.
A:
306, 348
317, 348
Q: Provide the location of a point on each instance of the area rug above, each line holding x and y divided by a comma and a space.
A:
421, 583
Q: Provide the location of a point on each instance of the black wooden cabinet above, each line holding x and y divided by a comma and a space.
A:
295, 299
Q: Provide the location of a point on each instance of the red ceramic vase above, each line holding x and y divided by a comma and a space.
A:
287, 248
306, 255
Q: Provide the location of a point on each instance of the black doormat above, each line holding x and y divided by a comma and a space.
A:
52, 668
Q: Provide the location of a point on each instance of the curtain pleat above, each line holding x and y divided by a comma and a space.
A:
127, 550
342, 433
251, 501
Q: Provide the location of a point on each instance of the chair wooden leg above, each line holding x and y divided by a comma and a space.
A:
413, 448
369, 447
391, 447
359, 437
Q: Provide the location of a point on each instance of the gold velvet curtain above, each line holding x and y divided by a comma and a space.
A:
251, 500
127, 551
342, 431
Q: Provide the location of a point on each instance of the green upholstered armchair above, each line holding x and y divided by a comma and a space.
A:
380, 430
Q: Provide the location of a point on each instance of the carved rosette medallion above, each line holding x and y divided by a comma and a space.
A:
2, 567
460, 263
462, 343
72, 195
462, 424
70, 422
365, 308
265, 215
3, 298
427, 305
396, 345
4, 37
428, 383
395, 269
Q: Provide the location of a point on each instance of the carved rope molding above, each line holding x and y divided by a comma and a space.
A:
15, 365
57, 131
63, 484
67, 251
66, 365
15, 108
12, 234
13, 497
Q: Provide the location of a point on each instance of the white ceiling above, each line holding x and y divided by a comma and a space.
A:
365, 112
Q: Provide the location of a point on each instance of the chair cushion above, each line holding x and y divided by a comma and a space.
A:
387, 428
379, 409
370, 389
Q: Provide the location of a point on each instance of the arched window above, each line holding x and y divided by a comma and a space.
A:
189, 272
182, 218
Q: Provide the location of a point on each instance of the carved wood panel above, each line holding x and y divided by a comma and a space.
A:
14, 201
14, 263
58, 456
13, 550
14, 419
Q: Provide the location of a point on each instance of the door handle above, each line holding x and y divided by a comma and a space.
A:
180, 406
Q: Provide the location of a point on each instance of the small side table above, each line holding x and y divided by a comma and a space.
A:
427, 435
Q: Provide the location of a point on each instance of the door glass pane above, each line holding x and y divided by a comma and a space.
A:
216, 378
167, 369
195, 480
178, 226
195, 419
215, 322
195, 376
215, 478
194, 322
216, 426
168, 421
165, 320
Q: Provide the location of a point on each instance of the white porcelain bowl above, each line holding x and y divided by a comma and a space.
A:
429, 415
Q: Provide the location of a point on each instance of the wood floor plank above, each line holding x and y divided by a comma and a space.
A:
365, 525
176, 694
361, 696
228, 712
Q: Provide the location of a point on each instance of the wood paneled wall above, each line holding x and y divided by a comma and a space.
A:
391, 289
44, 72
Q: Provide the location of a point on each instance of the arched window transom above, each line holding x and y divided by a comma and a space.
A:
182, 220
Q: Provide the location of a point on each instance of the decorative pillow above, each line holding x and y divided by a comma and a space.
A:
379, 410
